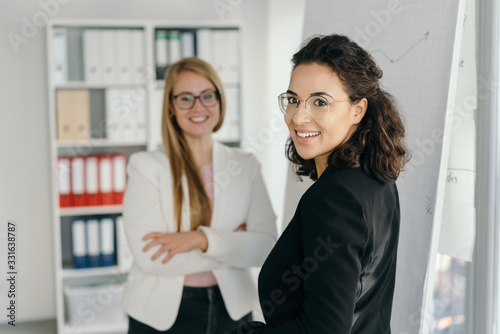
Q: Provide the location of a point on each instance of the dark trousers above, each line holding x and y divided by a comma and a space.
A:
202, 311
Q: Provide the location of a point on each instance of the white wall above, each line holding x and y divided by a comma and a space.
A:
24, 129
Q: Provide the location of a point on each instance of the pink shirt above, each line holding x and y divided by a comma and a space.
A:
206, 278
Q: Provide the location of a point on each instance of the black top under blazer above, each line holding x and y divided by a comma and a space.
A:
333, 268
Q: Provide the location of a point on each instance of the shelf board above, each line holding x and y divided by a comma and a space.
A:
98, 328
90, 210
92, 85
91, 272
97, 142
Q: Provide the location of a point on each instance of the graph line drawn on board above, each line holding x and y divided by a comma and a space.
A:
428, 206
395, 60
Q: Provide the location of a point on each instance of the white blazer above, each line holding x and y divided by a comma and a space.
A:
154, 290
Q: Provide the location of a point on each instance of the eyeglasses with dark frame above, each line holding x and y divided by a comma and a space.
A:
317, 108
208, 98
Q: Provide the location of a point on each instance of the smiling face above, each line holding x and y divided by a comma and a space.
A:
317, 138
198, 121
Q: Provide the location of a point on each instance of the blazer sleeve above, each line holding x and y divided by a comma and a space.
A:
249, 248
142, 213
335, 237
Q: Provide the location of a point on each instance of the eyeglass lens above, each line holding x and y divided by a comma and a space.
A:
317, 106
207, 98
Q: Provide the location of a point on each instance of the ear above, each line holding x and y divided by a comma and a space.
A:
359, 110
171, 109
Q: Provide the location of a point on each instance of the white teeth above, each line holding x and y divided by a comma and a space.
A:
198, 119
307, 134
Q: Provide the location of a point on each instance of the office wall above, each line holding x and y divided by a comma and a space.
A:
24, 129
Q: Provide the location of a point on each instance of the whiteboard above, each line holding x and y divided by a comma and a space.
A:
416, 44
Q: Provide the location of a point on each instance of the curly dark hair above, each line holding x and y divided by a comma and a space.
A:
378, 143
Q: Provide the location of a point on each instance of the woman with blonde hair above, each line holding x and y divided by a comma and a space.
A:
197, 216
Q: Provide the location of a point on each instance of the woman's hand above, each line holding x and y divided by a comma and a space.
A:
174, 243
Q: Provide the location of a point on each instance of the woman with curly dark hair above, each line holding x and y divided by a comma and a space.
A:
333, 269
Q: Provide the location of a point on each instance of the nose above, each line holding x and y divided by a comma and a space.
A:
302, 115
197, 103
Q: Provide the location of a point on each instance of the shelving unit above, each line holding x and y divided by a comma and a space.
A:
74, 76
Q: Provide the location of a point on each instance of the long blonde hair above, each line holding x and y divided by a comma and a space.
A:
176, 148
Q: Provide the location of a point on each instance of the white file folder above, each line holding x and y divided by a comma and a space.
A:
114, 112
109, 58
79, 243
93, 244
232, 56
138, 74
230, 130
123, 41
187, 44
174, 46
119, 173
60, 58
107, 239
92, 58
124, 254
204, 45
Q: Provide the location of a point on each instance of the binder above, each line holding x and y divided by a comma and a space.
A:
92, 180
60, 55
79, 244
92, 59
232, 57
161, 40
114, 111
139, 117
78, 181
64, 184
123, 39
174, 47
93, 243
220, 51
138, 74
230, 130
107, 238
124, 254
127, 111
204, 45
119, 177
109, 57
73, 114
106, 180
187, 44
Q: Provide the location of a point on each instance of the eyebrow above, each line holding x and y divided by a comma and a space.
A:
203, 91
313, 94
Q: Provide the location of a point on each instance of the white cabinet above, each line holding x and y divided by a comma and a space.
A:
105, 94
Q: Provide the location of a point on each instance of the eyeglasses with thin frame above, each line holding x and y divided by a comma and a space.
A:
208, 98
318, 106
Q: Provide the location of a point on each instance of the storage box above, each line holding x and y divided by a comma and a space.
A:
93, 304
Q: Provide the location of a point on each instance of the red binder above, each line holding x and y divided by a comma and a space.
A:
64, 184
106, 180
119, 177
92, 180
78, 181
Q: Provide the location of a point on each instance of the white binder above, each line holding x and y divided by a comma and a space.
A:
123, 41
230, 130
139, 122
232, 57
109, 59
92, 58
107, 241
204, 45
138, 74
60, 51
174, 47
93, 244
187, 44
124, 254
78, 175
119, 173
114, 113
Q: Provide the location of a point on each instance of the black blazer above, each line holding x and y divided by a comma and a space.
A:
333, 268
